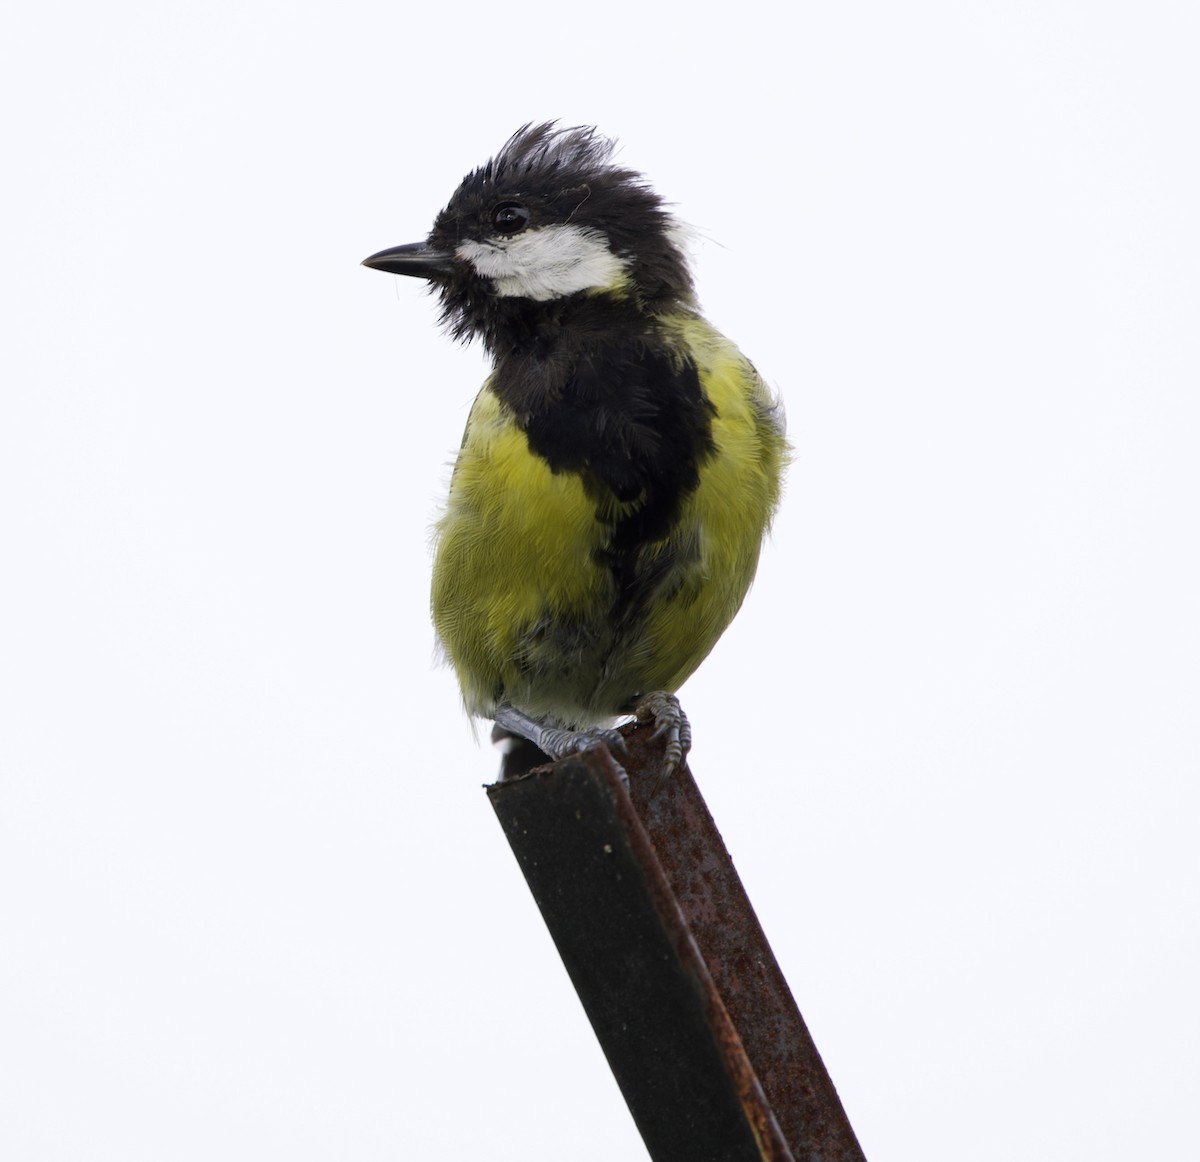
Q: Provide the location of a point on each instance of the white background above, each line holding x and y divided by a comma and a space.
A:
253, 902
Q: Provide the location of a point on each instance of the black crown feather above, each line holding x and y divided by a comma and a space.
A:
564, 175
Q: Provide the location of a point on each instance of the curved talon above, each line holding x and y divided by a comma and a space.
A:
612, 738
664, 710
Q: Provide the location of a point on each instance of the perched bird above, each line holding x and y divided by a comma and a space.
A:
621, 464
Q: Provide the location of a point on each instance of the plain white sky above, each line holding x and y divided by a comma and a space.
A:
253, 902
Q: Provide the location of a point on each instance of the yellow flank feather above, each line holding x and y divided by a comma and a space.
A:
522, 598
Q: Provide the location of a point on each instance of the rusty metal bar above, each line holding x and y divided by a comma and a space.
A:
670, 962
743, 967
642, 981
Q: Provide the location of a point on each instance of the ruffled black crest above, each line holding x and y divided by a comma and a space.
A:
562, 175
536, 153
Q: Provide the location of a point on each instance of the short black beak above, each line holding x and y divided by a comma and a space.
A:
416, 258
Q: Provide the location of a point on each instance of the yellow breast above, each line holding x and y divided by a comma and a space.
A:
522, 596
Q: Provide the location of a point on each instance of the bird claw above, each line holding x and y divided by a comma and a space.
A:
664, 710
560, 743
557, 742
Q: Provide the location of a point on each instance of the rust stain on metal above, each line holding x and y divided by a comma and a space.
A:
738, 956
755, 1105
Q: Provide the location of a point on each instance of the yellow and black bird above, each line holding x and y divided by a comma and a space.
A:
621, 464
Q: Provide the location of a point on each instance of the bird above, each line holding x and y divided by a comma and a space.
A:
621, 465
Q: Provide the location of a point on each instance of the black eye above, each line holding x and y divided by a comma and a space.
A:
510, 217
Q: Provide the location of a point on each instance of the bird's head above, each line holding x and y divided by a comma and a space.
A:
549, 220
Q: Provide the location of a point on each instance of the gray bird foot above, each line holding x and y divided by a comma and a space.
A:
664, 710
556, 742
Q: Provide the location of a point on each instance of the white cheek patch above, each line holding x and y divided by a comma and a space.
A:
547, 263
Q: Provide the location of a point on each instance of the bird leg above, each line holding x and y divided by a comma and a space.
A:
555, 741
